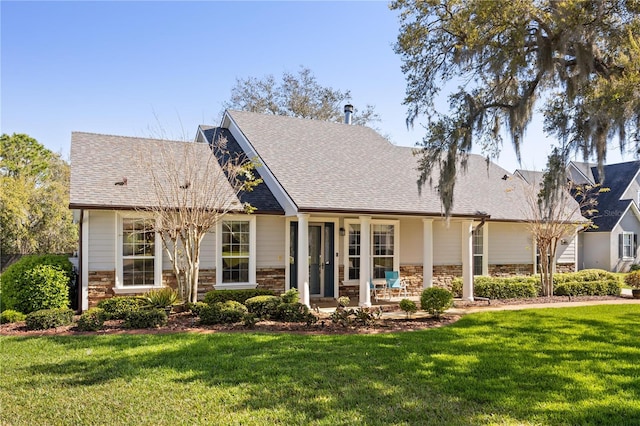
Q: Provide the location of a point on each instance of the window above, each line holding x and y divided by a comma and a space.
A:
383, 250
382, 253
354, 252
478, 243
138, 252
235, 251
627, 245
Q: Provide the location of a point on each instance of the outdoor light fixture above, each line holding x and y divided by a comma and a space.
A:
342, 232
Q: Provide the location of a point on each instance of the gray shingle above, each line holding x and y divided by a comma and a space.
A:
99, 161
340, 167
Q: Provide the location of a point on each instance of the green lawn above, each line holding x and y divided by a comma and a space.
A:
549, 366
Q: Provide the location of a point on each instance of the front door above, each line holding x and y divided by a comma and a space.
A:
316, 264
321, 258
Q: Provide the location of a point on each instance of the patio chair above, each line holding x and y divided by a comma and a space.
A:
375, 289
394, 282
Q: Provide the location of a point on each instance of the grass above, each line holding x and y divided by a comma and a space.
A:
548, 366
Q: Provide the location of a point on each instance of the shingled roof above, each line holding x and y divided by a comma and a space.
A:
617, 178
113, 172
326, 166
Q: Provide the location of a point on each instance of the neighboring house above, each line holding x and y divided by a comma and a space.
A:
612, 244
339, 206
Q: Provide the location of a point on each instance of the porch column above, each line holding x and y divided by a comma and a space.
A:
84, 260
467, 260
365, 260
427, 253
303, 258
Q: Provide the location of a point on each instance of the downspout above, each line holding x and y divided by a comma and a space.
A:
80, 255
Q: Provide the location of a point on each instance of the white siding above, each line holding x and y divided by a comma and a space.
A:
509, 243
596, 250
270, 242
102, 240
566, 253
632, 191
447, 248
628, 223
411, 242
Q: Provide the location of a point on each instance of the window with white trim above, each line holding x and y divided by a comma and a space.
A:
235, 251
354, 252
627, 245
382, 249
478, 248
138, 252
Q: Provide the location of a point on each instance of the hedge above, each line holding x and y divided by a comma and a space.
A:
240, 296
42, 287
49, 318
9, 280
506, 287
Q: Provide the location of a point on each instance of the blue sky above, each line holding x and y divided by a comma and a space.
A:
128, 68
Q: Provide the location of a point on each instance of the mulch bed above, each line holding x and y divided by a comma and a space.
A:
186, 322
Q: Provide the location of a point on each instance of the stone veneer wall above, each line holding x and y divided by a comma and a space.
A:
271, 279
565, 267
444, 274
412, 274
101, 284
510, 270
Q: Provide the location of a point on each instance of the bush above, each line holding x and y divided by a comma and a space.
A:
366, 317
264, 307
436, 300
456, 287
228, 312
42, 287
344, 301
588, 288
295, 312
11, 316
408, 306
120, 306
91, 320
9, 280
145, 318
221, 296
506, 287
197, 307
632, 279
161, 298
290, 296
249, 320
49, 318
635, 267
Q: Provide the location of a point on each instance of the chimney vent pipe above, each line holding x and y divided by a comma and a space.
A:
348, 110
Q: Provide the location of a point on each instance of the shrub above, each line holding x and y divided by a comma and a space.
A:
145, 318
344, 301
290, 296
408, 306
11, 316
342, 316
436, 300
120, 306
506, 287
197, 307
264, 307
42, 287
91, 320
632, 279
635, 267
588, 288
295, 312
456, 287
249, 320
161, 298
9, 280
228, 312
366, 317
221, 296
49, 318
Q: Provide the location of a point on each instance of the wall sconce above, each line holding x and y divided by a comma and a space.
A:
563, 242
342, 232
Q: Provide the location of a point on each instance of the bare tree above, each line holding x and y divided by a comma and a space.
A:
193, 186
554, 207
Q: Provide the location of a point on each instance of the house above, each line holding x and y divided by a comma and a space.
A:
612, 244
339, 206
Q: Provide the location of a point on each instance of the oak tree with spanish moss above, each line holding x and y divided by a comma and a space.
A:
578, 61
